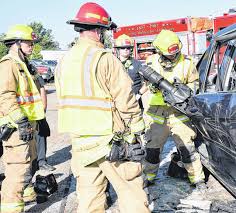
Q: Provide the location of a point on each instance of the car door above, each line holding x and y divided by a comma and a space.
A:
215, 117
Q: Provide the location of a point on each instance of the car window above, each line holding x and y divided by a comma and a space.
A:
230, 75
217, 62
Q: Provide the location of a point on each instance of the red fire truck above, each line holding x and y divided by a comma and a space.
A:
194, 33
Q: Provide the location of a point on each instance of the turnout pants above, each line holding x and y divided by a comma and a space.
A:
18, 157
92, 180
165, 122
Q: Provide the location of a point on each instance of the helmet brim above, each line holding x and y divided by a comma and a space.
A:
18, 39
131, 46
84, 24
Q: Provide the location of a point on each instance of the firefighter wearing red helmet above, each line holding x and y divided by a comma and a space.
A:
165, 121
124, 50
98, 108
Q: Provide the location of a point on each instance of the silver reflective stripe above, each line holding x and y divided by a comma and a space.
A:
84, 103
87, 77
178, 119
22, 99
156, 118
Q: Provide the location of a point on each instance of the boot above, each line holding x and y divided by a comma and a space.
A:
47, 167
200, 187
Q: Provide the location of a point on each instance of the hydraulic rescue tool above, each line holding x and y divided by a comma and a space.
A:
177, 94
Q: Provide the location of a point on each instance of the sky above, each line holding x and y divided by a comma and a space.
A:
53, 14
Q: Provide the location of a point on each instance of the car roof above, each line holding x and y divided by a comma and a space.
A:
225, 35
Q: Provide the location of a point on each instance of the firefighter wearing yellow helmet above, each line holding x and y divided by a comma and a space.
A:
164, 120
20, 107
124, 48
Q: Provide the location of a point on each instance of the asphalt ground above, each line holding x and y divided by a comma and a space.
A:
169, 192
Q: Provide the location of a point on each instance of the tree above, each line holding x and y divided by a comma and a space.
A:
36, 52
3, 48
45, 37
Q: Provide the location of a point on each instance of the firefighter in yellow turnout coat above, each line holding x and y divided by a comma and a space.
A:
96, 101
164, 120
20, 107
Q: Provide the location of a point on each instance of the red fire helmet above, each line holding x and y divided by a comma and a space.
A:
94, 15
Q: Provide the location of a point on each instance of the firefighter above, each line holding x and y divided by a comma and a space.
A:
165, 120
99, 110
43, 129
124, 49
20, 107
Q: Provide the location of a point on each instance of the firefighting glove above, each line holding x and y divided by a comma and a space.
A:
141, 138
25, 129
117, 152
153, 89
134, 152
125, 151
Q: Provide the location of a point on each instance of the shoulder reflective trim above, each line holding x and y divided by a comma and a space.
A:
87, 71
85, 103
12, 207
179, 119
156, 118
138, 126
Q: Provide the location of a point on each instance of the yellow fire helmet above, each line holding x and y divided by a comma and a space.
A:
124, 41
20, 32
167, 42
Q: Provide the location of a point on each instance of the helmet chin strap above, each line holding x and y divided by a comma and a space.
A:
21, 54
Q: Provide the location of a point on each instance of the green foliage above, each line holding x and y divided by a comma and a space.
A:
36, 52
3, 48
45, 37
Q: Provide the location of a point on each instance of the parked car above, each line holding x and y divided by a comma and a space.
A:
52, 64
44, 70
215, 105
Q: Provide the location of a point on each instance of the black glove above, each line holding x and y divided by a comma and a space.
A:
135, 152
25, 129
121, 151
117, 152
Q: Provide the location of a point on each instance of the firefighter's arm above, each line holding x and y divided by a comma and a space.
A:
8, 89
39, 82
43, 94
119, 85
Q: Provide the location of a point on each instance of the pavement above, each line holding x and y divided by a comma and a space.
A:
171, 193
